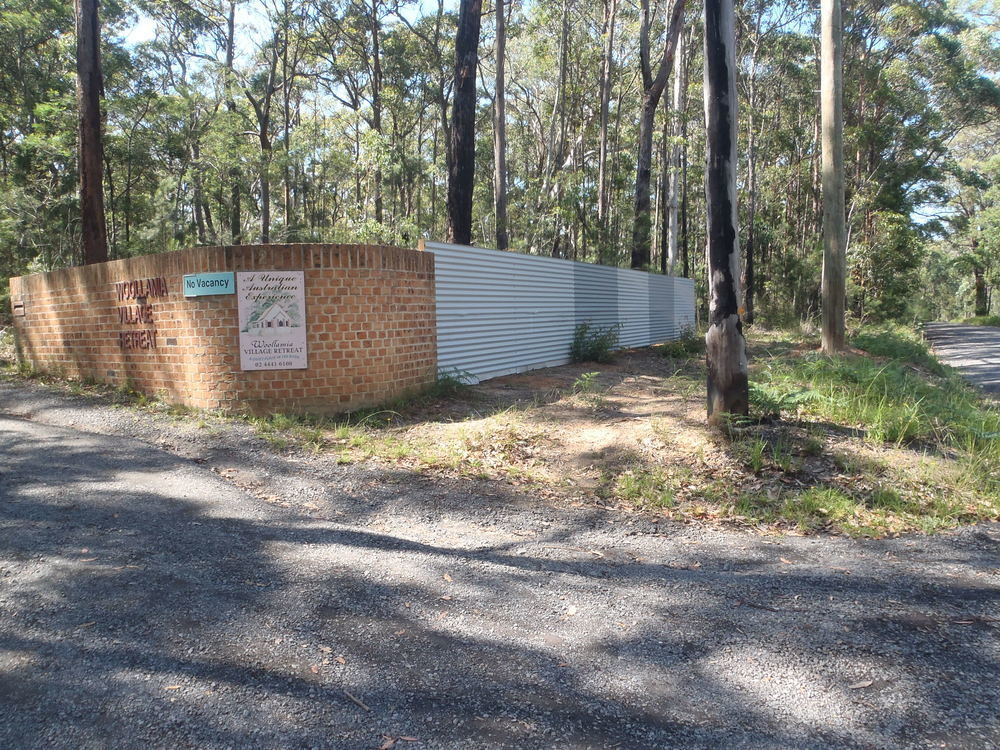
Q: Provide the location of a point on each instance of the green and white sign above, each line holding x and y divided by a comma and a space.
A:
202, 284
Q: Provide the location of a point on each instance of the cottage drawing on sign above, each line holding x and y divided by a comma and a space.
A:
268, 313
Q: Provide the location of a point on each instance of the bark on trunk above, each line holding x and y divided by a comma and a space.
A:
653, 88
462, 143
834, 230
673, 198
603, 196
725, 345
235, 217
90, 88
500, 135
982, 299
377, 102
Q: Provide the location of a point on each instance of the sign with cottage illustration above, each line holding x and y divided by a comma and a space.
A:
272, 310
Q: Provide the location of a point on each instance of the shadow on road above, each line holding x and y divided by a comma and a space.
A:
146, 603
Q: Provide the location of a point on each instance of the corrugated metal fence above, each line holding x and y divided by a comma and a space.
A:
501, 312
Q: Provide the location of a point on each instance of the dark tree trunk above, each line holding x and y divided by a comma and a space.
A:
462, 143
725, 345
235, 217
90, 88
982, 299
653, 88
377, 101
603, 194
500, 134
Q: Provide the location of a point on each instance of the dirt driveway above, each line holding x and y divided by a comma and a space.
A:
161, 587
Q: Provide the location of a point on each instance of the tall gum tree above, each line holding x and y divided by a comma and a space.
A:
90, 87
653, 86
725, 345
500, 131
462, 143
834, 227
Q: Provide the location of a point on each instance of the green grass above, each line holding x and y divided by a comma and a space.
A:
983, 320
899, 396
646, 488
896, 395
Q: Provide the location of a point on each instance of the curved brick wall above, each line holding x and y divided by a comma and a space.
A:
370, 318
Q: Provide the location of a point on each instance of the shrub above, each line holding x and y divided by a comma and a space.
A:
688, 345
593, 344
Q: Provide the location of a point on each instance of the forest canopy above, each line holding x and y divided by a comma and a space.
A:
244, 121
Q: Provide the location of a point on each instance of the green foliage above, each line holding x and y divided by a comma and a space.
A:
352, 149
901, 395
899, 344
688, 345
984, 320
648, 488
593, 344
586, 383
449, 384
770, 400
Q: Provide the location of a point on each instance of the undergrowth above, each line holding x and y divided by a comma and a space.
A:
983, 320
593, 343
897, 395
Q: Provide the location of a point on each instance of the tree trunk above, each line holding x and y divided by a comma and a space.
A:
197, 192
90, 88
235, 218
653, 89
684, 187
462, 143
377, 103
673, 197
834, 229
982, 299
265, 197
603, 194
666, 164
500, 134
725, 345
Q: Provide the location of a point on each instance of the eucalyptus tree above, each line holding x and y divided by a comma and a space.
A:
462, 143
834, 228
500, 128
90, 87
725, 345
653, 86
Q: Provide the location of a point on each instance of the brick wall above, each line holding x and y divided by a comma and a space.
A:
370, 317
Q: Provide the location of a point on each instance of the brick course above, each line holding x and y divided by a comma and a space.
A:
370, 317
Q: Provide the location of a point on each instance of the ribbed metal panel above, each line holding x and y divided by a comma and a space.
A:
633, 307
500, 312
662, 323
684, 319
595, 295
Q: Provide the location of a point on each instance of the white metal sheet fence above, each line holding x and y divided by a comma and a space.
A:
500, 312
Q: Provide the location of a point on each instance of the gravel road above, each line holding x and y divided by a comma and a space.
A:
163, 586
973, 350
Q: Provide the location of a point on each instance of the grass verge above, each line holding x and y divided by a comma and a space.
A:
983, 320
889, 396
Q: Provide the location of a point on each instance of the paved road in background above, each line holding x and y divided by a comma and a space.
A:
175, 587
973, 350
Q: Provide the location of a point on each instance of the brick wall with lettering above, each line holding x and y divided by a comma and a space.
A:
370, 317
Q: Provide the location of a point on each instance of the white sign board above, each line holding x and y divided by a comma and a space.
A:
272, 309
